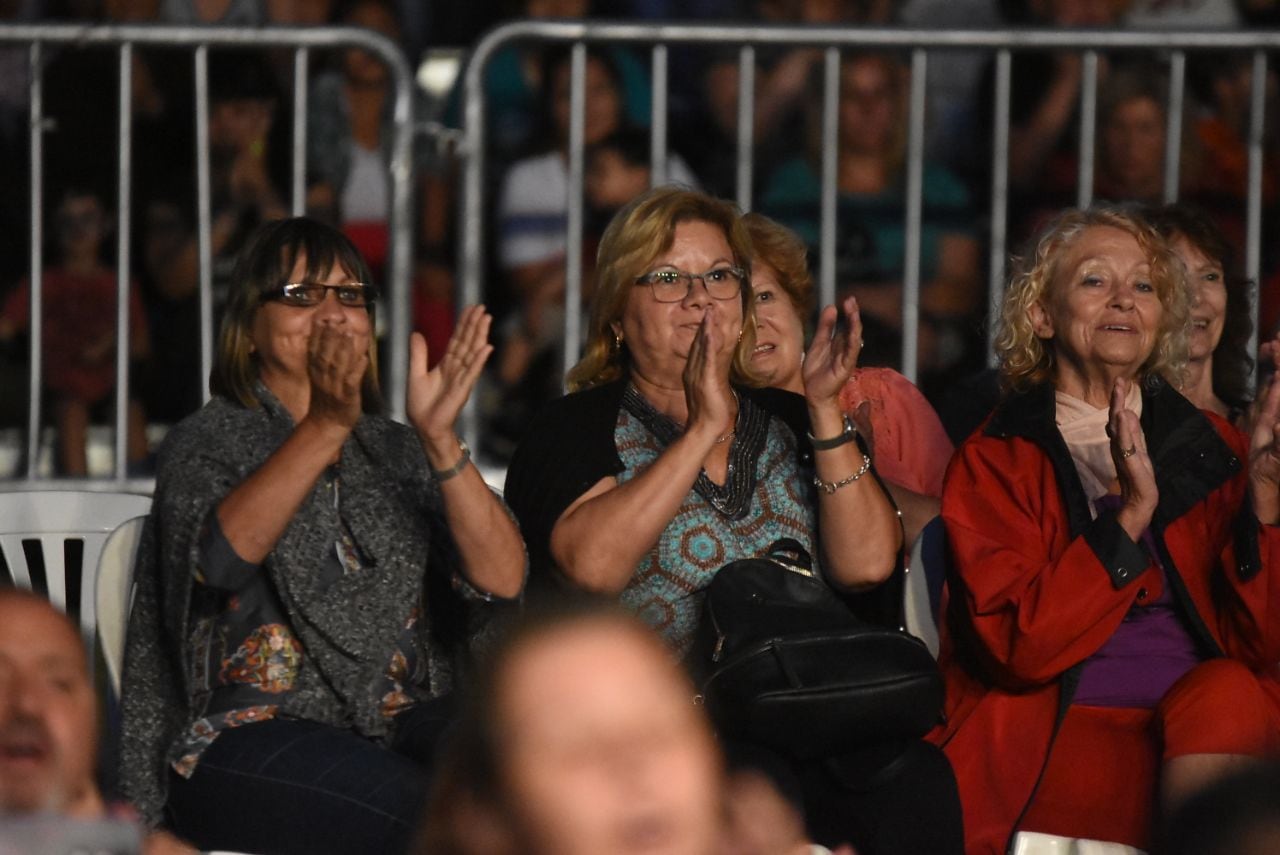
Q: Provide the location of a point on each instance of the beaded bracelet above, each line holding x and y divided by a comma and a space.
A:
442, 475
830, 487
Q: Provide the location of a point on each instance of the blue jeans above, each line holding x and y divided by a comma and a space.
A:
295, 786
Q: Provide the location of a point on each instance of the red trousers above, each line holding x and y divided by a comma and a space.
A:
1102, 774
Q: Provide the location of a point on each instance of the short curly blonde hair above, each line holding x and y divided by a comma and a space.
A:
1026, 360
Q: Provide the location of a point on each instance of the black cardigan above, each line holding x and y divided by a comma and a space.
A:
569, 447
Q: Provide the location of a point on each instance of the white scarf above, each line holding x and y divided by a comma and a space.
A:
1084, 429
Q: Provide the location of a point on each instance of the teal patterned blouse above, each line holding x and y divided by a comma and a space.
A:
666, 587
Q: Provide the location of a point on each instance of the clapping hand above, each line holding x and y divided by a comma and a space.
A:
1264, 455
1134, 470
436, 396
707, 392
337, 359
833, 354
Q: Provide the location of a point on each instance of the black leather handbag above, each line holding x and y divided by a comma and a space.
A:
782, 662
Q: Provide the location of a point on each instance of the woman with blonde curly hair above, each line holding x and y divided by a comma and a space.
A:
1111, 619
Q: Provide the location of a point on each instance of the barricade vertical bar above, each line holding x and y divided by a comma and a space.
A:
915, 208
573, 241
300, 62
830, 130
658, 119
204, 219
1253, 235
999, 201
125, 41
746, 123
471, 217
401, 231
37, 262
1088, 128
1173, 126
123, 339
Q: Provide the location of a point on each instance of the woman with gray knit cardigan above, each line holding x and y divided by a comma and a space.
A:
296, 618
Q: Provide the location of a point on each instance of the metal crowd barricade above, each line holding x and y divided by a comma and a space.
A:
199, 40
920, 43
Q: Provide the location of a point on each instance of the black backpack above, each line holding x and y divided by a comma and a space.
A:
781, 661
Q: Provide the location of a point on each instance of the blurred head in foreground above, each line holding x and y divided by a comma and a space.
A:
582, 737
48, 712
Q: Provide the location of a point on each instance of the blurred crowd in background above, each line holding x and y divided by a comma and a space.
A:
527, 92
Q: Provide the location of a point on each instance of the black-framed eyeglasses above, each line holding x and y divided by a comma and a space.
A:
356, 295
672, 286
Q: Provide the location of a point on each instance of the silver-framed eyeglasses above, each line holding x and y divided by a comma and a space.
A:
356, 295
672, 286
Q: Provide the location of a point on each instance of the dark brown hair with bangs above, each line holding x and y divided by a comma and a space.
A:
263, 266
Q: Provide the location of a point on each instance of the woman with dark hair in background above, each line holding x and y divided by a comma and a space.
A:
1219, 366
295, 628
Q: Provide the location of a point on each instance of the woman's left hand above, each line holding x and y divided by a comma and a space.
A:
1264, 456
436, 397
832, 355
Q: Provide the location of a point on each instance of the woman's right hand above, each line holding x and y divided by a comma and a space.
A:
336, 363
707, 393
1134, 469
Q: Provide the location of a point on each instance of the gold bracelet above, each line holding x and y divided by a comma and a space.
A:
830, 487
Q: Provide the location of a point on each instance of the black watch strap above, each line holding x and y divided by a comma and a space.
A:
845, 436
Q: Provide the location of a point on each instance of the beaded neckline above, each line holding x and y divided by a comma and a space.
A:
733, 498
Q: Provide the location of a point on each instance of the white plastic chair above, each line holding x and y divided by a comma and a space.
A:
1035, 843
114, 596
63, 532
916, 611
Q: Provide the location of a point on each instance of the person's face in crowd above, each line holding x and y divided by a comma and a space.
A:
313, 13
603, 112
81, 225
239, 124
779, 330
823, 11
1102, 313
1133, 145
1084, 13
282, 333
1208, 297
868, 108
48, 713
556, 8
720, 84
611, 181
606, 751
659, 335
362, 67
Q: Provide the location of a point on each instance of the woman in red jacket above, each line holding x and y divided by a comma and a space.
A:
1112, 618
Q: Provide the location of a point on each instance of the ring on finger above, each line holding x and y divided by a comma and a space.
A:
1126, 453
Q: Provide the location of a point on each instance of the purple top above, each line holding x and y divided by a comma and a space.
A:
1146, 655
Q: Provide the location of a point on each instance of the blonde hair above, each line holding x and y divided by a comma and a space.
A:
780, 248
1025, 359
634, 238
